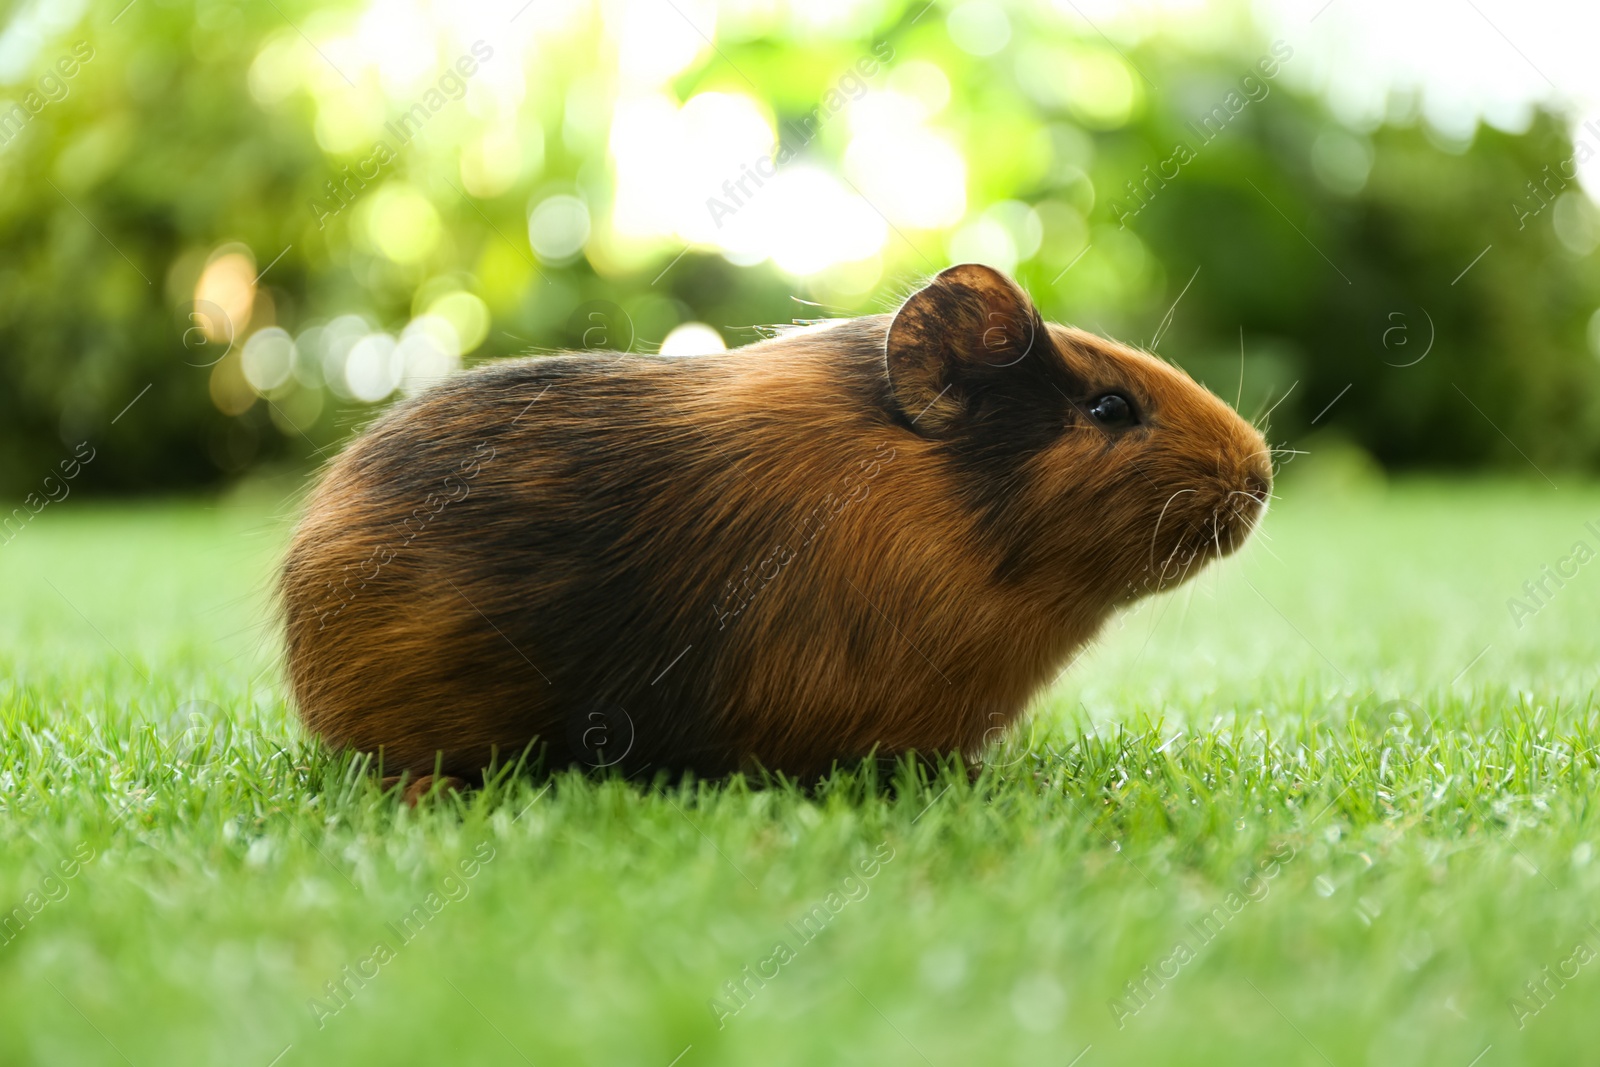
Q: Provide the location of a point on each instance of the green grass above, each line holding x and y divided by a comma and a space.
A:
1428, 858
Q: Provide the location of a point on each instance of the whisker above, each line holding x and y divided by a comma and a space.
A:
1264, 540
1161, 576
1155, 622
1157, 531
1253, 418
1239, 396
1166, 321
1281, 399
1188, 602
1253, 500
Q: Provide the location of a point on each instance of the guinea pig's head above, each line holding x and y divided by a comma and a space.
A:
1097, 469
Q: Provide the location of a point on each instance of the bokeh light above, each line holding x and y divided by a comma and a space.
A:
692, 339
226, 293
467, 315
558, 229
428, 352
268, 359
373, 367
402, 223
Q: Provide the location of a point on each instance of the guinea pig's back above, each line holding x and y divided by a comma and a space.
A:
454, 565
547, 535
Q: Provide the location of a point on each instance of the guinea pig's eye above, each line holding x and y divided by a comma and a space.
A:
1112, 410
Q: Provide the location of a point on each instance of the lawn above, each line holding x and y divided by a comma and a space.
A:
1330, 804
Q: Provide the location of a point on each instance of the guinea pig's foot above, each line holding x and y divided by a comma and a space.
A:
417, 788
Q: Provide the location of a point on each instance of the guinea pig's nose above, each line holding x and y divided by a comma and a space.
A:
1258, 483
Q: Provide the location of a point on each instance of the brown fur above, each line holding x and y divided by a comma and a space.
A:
883, 534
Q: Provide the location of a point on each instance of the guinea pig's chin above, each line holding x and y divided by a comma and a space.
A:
1216, 535
1183, 563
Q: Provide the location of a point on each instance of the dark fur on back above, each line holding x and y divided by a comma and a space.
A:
777, 555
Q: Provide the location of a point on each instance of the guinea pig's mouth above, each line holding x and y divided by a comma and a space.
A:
1233, 520
1209, 535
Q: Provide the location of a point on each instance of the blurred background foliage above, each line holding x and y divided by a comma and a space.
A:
257, 224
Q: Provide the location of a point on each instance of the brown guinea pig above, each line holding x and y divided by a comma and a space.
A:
878, 535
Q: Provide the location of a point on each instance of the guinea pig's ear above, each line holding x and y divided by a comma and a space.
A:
965, 327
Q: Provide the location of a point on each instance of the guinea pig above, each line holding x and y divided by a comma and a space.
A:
875, 536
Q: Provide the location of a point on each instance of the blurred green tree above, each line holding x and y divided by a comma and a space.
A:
1416, 296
